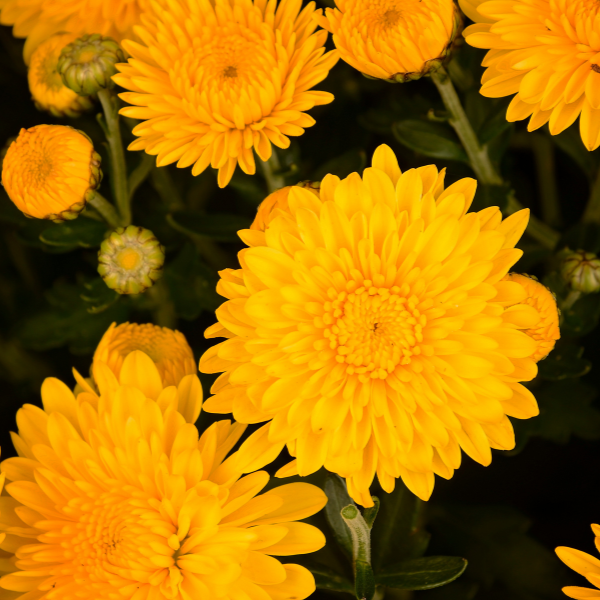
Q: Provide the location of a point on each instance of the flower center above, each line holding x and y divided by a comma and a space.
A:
230, 72
37, 166
390, 18
374, 330
129, 258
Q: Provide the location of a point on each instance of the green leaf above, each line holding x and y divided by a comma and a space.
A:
397, 534
491, 195
98, 296
191, 284
564, 362
422, 573
352, 161
370, 514
565, 410
82, 232
581, 318
337, 494
218, 227
569, 141
436, 140
364, 581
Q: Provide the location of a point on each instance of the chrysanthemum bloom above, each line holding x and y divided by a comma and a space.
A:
130, 260
167, 348
276, 203
547, 54
39, 19
585, 565
114, 496
395, 40
546, 332
214, 83
46, 86
50, 172
373, 331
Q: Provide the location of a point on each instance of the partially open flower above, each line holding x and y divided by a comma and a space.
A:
277, 202
581, 270
45, 84
215, 82
51, 171
395, 40
167, 348
87, 64
546, 332
130, 260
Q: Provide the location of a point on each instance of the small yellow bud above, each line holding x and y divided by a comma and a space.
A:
130, 260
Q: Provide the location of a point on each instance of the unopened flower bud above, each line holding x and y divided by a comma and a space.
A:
51, 171
581, 270
88, 64
130, 260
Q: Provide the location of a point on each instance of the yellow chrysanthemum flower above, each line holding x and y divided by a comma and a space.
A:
45, 84
276, 203
373, 330
167, 348
214, 83
115, 496
585, 565
547, 331
547, 54
37, 20
49, 171
395, 40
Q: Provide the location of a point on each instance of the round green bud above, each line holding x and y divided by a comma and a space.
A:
87, 65
581, 270
130, 260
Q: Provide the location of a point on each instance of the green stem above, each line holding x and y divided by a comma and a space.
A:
478, 155
592, 210
543, 152
538, 230
117, 154
270, 168
106, 209
165, 188
364, 581
573, 296
140, 173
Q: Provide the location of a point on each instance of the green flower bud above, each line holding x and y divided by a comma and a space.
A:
130, 260
581, 270
88, 64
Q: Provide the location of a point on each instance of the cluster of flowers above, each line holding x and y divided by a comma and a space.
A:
373, 326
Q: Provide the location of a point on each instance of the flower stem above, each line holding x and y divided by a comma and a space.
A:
364, 581
106, 209
543, 153
573, 296
117, 154
478, 155
480, 160
592, 210
270, 168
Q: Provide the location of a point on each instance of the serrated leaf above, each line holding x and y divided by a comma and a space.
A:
436, 140
422, 573
218, 227
337, 497
397, 534
82, 232
564, 362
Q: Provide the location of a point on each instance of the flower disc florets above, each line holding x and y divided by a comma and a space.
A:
88, 64
547, 54
167, 348
46, 86
395, 40
50, 171
130, 260
115, 495
215, 82
584, 564
372, 329
38, 19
